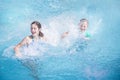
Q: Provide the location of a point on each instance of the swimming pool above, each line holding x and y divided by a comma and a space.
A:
100, 60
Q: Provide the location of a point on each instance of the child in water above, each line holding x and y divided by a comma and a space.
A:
36, 36
83, 29
80, 37
83, 34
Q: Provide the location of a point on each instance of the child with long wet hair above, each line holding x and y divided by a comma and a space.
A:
36, 36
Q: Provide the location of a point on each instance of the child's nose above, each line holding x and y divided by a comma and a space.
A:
33, 30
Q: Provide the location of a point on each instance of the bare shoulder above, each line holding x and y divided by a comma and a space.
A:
25, 40
28, 39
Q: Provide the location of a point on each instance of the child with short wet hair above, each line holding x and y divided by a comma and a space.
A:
83, 29
83, 25
79, 36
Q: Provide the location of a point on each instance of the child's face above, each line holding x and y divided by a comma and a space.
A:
35, 30
83, 26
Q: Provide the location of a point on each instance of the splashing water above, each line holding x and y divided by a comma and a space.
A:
67, 59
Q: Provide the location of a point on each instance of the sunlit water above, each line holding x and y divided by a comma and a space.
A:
96, 59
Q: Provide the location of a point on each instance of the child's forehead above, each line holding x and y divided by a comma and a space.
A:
83, 22
33, 26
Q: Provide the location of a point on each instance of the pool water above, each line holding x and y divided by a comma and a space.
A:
97, 59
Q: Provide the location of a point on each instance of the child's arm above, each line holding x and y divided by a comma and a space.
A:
64, 34
17, 47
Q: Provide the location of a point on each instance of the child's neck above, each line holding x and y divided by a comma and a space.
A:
82, 31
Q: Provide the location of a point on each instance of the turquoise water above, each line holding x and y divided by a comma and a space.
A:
99, 60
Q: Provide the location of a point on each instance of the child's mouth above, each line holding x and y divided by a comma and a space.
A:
33, 32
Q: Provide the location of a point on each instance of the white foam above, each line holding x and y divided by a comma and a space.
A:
8, 52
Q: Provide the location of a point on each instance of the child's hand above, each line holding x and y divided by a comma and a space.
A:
64, 35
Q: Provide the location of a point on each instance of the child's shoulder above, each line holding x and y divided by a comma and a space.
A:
27, 38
